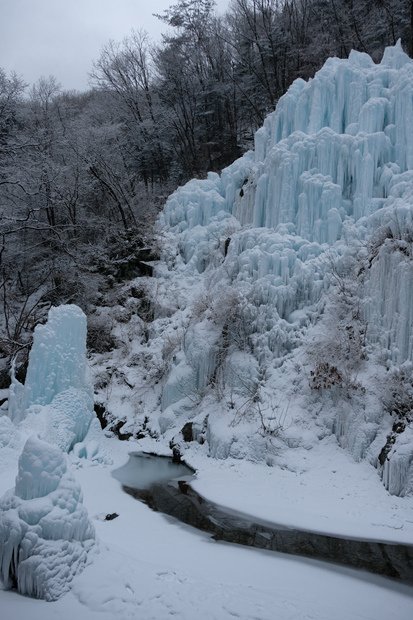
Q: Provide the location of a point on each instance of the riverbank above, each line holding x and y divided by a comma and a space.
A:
150, 566
321, 490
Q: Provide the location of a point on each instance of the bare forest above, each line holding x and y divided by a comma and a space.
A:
83, 175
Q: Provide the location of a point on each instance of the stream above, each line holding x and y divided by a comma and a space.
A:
165, 487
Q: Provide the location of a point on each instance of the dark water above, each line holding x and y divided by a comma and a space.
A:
143, 470
164, 486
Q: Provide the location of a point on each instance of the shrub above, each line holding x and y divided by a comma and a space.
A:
99, 337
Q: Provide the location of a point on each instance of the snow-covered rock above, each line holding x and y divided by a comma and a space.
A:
45, 533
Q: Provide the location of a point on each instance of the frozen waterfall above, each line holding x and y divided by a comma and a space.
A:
332, 164
57, 389
330, 179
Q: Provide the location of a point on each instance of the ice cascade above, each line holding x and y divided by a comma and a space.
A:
45, 533
57, 388
57, 359
331, 176
333, 163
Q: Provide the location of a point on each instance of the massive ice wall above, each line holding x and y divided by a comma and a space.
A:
57, 387
332, 165
45, 533
330, 182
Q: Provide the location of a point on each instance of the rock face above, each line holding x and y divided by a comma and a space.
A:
45, 533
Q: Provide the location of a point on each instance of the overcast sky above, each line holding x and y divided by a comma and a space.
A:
64, 37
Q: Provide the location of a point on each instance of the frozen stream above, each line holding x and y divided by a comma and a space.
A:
150, 566
165, 487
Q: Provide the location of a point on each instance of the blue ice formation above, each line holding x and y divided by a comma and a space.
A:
45, 532
57, 360
332, 166
57, 382
330, 181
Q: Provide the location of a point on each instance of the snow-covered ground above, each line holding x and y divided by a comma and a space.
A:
277, 332
323, 490
150, 566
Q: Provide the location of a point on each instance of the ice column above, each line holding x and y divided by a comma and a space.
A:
57, 378
45, 533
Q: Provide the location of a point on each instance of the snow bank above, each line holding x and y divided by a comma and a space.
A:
45, 533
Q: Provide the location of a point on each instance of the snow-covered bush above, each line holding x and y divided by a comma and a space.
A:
170, 345
45, 533
229, 311
398, 397
201, 305
325, 376
99, 334
339, 348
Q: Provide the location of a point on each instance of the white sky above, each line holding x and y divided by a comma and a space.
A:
64, 37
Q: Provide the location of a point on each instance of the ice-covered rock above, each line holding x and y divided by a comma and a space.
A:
334, 161
57, 390
330, 178
193, 368
68, 418
397, 471
45, 533
57, 360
